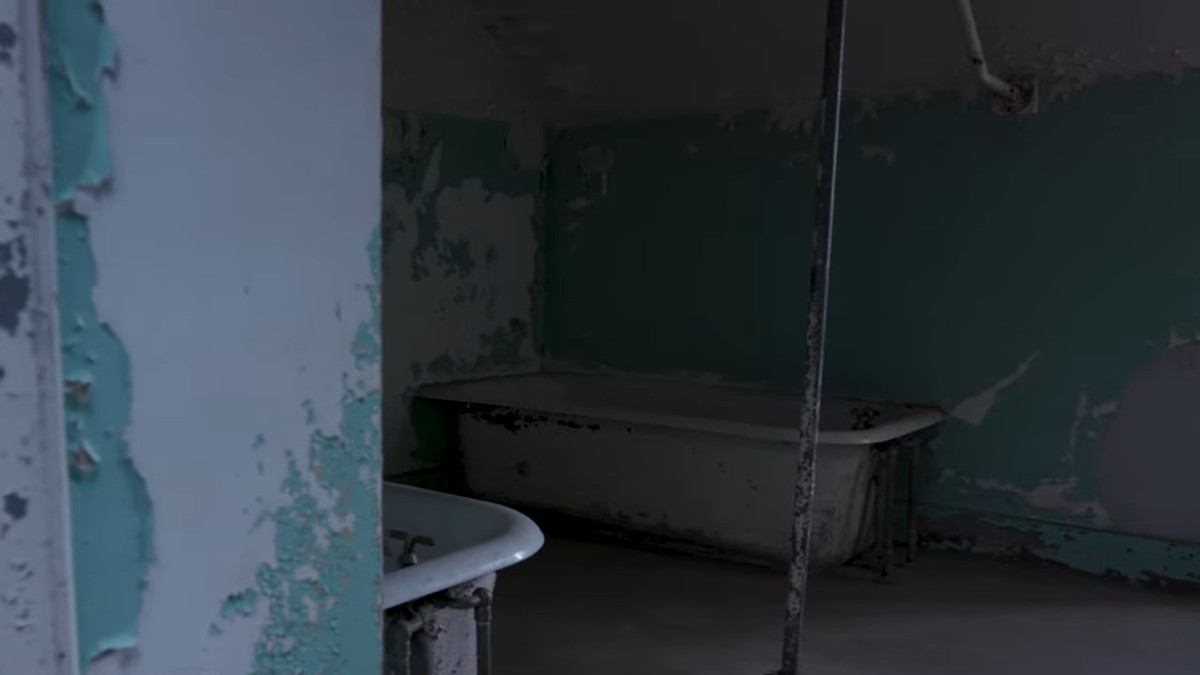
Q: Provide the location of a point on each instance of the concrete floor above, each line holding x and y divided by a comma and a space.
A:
583, 608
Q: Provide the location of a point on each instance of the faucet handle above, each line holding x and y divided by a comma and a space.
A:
409, 557
413, 542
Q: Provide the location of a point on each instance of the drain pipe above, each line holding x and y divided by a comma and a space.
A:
481, 602
402, 630
814, 342
483, 631
1017, 98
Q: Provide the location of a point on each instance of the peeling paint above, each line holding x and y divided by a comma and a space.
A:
877, 152
110, 506
243, 603
15, 506
8, 39
597, 162
579, 204
14, 284
459, 252
321, 593
793, 115
1088, 418
975, 409
1140, 559
1056, 496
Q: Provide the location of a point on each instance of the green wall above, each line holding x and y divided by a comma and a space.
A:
966, 245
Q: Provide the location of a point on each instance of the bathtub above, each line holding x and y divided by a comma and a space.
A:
712, 465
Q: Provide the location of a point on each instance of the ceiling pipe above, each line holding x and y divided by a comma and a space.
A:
1017, 98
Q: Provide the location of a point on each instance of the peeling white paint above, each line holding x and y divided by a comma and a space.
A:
793, 114
446, 313
1175, 339
429, 182
597, 161
975, 409
878, 152
1085, 413
1057, 496
579, 204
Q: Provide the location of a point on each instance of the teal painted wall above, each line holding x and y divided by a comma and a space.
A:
967, 245
682, 257
112, 539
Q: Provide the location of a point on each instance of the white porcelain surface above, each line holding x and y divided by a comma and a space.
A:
471, 538
736, 411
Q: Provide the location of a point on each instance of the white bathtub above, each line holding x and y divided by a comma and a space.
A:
457, 540
713, 465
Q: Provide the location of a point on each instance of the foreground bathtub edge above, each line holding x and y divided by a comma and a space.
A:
519, 539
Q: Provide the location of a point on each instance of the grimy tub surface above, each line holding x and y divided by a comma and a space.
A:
704, 463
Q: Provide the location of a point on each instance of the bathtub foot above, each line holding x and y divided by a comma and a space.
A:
881, 555
889, 511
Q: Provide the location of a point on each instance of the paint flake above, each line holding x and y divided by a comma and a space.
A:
975, 409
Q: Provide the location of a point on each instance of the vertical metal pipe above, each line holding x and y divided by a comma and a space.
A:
814, 344
483, 632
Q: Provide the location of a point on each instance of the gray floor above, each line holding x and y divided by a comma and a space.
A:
582, 608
